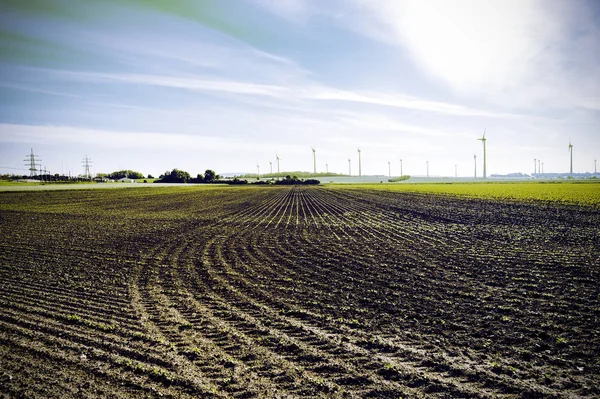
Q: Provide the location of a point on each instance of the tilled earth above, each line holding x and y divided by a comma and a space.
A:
296, 292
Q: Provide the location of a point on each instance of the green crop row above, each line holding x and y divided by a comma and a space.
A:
572, 193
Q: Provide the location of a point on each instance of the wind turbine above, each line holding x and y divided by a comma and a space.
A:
539, 166
542, 167
483, 140
401, 174
349, 167
314, 159
595, 166
571, 151
455, 170
257, 170
475, 161
271, 166
277, 159
534, 166
427, 162
359, 164
389, 169
326, 168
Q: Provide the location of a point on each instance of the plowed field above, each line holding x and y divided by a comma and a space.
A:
296, 292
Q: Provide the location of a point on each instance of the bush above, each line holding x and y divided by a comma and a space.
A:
125, 173
175, 176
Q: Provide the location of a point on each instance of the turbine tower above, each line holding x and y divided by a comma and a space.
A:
427, 162
401, 174
534, 166
389, 169
359, 164
595, 166
455, 170
271, 166
483, 140
257, 170
349, 167
542, 167
539, 166
475, 161
277, 159
326, 168
31, 160
571, 151
314, 159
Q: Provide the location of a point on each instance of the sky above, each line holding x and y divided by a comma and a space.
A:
151, 85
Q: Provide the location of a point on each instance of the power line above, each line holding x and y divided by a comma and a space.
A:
8, 167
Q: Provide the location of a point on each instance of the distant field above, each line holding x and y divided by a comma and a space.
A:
581, 193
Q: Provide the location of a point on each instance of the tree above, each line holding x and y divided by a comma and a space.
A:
175, 176
150, 177
210, 176
119, 174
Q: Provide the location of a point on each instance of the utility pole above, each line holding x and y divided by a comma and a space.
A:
32, 160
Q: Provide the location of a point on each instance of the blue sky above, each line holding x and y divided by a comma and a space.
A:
226, 85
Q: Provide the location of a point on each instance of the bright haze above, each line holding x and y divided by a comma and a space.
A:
226, 85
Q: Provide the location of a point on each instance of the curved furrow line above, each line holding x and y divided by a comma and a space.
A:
197, 334
286, 211
436, 366
162, 323
11, 277
255, 347
254, 214
363, 344
316, 356
389, 221
55, 312
62, 305
440, 370
334, 347
26, 274
475, 257
345, 224
135, 346
63, 381
327, 213
314, 211
106, 368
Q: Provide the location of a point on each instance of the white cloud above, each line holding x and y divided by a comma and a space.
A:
513, 52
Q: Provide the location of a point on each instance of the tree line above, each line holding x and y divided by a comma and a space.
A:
209, 176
